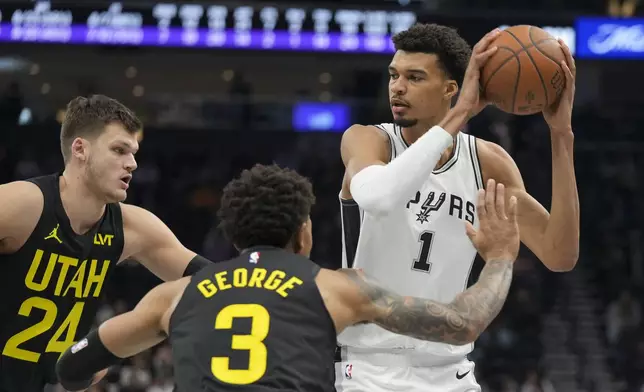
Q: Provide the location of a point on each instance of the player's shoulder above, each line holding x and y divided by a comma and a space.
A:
365, 136
137, 216
141, 228
167, 295
168, 291
22, 206
496, 162
341, 281
20, 198
21, 189
370, 128
137, 221
132, 212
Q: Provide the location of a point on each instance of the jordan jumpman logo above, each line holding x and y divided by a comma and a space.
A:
54, 234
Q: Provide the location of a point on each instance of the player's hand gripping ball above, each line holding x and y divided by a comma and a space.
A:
524, 76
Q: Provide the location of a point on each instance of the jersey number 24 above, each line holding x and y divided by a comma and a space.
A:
55, 344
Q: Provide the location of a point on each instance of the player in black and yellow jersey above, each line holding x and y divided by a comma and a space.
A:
267, 320
61, 236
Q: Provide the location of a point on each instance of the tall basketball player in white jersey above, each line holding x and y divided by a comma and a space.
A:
410, 186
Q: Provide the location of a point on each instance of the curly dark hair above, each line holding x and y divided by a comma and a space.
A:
452, 50
265, 205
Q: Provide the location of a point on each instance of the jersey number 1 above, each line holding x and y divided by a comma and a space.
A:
421, 263
253, 343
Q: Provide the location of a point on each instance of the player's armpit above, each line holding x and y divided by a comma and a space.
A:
150, 242
460, 322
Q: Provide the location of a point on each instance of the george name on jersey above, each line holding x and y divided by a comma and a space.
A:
243, 277
435, 201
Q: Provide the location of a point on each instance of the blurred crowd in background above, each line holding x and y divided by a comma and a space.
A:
209, 115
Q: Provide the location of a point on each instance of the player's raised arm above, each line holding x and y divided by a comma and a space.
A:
120, 337
553, 236
379, 187
149, 241
467, 316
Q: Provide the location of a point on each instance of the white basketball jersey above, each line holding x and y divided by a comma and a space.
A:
419, 249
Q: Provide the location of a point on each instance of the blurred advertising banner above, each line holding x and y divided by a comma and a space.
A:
609, 38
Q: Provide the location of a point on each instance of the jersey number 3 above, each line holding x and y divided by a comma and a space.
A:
253, 343
67, 328
421, 263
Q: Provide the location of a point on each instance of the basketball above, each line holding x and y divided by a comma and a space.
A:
524, 76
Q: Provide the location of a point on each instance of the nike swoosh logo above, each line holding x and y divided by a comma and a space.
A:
460, 376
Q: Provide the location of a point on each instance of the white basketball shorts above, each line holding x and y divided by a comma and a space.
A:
365, 372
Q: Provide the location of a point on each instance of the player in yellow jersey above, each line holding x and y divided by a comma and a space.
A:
61, 236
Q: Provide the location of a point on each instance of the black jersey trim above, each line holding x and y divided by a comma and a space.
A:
351, 223
456, 152
398, 132
452, 158
392, 147
479, 167
119, 230
472, 146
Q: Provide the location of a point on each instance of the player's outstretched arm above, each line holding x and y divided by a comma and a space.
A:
120, 337
553, 236
467, 316
459, 322
150, 242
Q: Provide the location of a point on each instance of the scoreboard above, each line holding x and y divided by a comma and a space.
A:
237, 26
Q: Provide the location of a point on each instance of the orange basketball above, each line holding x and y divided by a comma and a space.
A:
525, 75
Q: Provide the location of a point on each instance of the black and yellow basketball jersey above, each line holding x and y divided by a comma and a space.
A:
254, 323
50, 290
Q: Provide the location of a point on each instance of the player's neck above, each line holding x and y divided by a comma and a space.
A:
81, 205
411, 134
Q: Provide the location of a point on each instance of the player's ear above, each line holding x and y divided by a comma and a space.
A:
450, 89
304, 239
80, 149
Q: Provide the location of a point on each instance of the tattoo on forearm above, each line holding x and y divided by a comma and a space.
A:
459, 322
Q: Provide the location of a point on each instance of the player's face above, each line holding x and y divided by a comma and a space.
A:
418, 88
111, 162
305, 238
